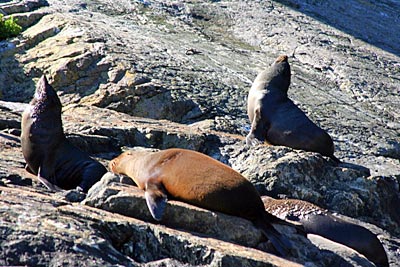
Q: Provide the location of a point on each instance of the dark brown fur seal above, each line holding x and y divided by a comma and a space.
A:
277, 120
47, 152
200, 180
316, 220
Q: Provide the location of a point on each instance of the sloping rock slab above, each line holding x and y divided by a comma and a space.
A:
112, 196
344, 188
39, 230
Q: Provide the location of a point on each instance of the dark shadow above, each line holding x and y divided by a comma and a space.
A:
374, 22
389, 188
9, 137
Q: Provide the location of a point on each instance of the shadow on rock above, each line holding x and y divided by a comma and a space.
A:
370, 21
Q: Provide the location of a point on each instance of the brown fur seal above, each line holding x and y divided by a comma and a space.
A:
277, 120
316, 220
200, 180
47, 152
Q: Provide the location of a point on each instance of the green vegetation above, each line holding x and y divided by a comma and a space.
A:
8, 28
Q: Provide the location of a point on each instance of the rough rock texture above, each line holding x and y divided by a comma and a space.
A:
166, 74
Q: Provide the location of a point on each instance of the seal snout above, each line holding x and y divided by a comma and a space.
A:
43, 88
281, 58
41, 85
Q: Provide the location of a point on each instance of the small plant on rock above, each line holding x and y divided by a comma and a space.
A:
8, 28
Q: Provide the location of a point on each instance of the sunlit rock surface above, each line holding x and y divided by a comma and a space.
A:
163, 74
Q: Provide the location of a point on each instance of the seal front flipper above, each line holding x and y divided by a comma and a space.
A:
258, 129
251, 140
45, 182
28, 169
156, 199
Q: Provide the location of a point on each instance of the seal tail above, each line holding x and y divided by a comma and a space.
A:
282, 244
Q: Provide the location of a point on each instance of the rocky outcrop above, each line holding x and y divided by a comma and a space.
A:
162, 74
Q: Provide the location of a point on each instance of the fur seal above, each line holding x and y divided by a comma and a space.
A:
277, 120
316, 220
200, 180
48, 154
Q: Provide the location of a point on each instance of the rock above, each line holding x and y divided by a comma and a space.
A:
348, 189
127, 201
27, 228
73, 195
9, 119
31, 237
162, 74
144, 100
25, 20
22, 6
107, 194
129, 131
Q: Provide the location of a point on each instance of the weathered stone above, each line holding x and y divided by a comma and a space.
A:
129, 201
108, 195
36, 220
22, 6
144, 100
28, 19
346, 188
9, 119
193, 62
130, 131
34, 233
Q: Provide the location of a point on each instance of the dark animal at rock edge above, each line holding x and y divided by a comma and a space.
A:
318, 221
200, 180
47, 152
275, 119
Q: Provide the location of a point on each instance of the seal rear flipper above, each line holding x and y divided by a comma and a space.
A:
335, 159
46, 182
281, 243
156, 199
91, 174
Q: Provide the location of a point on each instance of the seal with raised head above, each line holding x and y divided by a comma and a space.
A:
200, 180
275, 119
48, 154
318, 221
